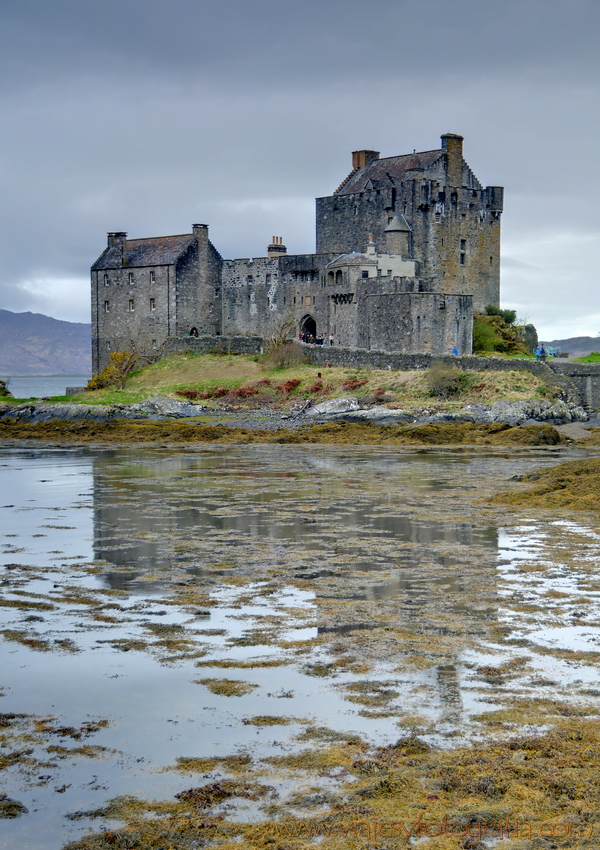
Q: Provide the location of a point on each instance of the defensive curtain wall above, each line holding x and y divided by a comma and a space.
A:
580, 380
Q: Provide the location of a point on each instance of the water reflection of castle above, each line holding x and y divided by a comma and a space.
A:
305, 515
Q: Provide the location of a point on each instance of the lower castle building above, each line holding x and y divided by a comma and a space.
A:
407, 248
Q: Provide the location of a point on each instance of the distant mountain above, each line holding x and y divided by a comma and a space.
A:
576, 346
33, 344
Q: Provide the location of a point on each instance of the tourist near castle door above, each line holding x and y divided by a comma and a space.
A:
308, 326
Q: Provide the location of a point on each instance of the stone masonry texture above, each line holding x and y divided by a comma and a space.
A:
407, 248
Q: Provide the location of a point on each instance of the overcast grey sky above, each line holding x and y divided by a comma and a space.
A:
148, 115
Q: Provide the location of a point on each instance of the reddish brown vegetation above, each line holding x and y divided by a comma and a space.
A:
288, 386
352, 384
243, 392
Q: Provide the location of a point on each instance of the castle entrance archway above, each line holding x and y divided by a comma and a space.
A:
308, 326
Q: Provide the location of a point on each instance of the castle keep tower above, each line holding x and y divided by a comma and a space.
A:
147, 290
454, 222
408, 247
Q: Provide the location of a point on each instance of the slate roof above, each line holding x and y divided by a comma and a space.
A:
398, 225
155, 251
353, 259
387, 172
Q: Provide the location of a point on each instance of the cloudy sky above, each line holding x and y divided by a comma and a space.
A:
148, 115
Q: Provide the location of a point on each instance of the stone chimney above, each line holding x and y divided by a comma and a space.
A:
276, 248
452, 144
117, 240
200, 231
362, 158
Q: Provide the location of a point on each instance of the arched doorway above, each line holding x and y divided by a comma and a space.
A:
308, 326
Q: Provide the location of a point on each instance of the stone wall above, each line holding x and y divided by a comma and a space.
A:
208, 344
455, 225
585, 377
252, 295
414, 322
131, 306
198, 286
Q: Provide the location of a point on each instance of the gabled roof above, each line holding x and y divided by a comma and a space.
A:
387, 172
155, 251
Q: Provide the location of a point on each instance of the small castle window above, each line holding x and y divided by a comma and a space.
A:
491, 261
107, 306
364, 274
463, 244
131, 305
389, 271
268, 278
249, 279
152, 277
217, 291
130, 278
106, 280
463, 258
378, 272
153, 303
154, 345
284, 278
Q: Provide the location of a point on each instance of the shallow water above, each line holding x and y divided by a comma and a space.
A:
39, 386
381, 581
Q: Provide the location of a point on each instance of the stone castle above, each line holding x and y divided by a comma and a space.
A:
407, 248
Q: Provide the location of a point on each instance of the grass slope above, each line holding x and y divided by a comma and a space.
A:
207, 372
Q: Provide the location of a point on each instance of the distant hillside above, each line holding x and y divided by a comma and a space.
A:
33, 344
576, 346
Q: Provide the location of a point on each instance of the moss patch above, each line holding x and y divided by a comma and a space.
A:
574, 485
227, 687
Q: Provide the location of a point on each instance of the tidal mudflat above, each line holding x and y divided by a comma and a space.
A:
229, 645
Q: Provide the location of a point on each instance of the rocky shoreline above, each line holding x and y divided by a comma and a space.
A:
349, 409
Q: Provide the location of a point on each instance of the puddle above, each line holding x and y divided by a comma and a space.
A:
177, 595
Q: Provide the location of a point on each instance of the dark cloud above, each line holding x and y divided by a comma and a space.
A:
147, 115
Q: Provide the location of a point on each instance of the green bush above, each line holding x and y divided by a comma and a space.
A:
509, 316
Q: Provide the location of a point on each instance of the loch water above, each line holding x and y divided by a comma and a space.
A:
126, 572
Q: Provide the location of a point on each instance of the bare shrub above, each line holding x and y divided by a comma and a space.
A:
286, 355
122, 363
279, 333
446, 381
